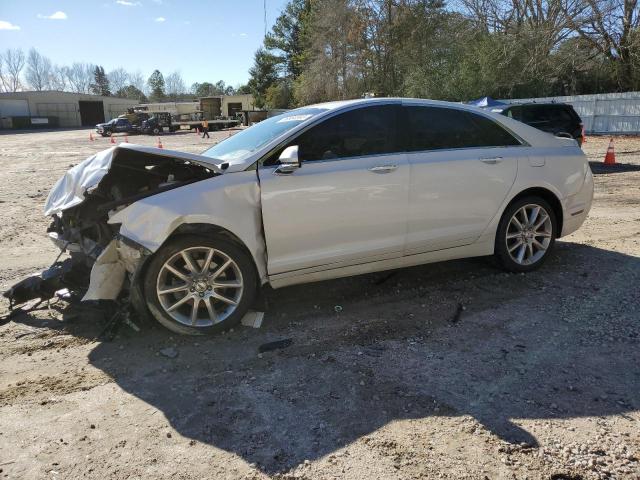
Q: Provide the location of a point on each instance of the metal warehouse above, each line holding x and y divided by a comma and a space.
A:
58, 109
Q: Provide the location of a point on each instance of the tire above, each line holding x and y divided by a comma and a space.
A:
198, 287
156, 131
522, 252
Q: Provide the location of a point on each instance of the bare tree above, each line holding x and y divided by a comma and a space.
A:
80, 76
58, 78
137, 80
4, 86
118, 79
611, 27
174, 84
12, 61
38, 71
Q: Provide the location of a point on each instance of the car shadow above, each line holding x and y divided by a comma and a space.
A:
599, 168
451, 339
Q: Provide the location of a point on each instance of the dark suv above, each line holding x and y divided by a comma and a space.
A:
557, 118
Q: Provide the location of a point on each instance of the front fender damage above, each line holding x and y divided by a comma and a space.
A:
114, 210
109, 271
102, 263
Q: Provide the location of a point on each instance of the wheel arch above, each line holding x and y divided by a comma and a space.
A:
202, 229
549, 197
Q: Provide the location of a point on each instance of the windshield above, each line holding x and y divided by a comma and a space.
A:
243, 144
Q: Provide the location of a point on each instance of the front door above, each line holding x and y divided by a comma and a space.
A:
462, 167
347, 204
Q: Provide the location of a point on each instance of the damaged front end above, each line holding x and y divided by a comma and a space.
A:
103, 264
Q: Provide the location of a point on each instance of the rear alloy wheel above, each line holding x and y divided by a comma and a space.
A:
526, 234
197, 285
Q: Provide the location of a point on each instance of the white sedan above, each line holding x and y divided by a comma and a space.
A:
320, 192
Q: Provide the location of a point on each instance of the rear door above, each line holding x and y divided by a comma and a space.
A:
566, 120
462, 167
122, 125
347, 203
538, 116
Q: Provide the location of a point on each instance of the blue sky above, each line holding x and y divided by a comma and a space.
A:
206, 40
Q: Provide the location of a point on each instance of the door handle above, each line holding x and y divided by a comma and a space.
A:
383, 168
491, 160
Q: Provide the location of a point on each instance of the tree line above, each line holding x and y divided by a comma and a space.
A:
322, 50
34, 71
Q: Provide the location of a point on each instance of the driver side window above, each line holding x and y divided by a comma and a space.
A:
360, 132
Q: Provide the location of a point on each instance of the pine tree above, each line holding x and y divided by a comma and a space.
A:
101, 82
156, 85
263, 75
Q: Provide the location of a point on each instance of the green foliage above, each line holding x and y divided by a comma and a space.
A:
132, 93
243, 89
100, 85
278, 95
263, 74
288, 39
322, 50
156, 86
207, 89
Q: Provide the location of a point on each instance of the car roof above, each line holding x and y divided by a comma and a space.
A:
542, 104
411, 101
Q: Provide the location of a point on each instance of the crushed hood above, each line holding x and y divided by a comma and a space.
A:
70, 190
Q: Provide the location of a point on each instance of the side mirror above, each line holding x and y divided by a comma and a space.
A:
289, 161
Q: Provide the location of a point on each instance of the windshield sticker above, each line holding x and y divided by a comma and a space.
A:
294, 118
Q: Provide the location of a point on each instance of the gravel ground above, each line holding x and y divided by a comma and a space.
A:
451, 370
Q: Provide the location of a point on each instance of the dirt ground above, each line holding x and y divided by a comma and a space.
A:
452, 370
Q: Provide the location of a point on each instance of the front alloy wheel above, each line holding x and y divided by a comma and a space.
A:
526, 234
196, 285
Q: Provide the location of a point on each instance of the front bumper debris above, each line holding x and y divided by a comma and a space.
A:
44, 285
105, 280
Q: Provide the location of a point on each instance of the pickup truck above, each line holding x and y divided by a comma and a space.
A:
117, 125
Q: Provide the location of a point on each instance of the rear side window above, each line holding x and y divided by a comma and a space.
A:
436, 128
514, 112
356, 133
567, 115
536, 113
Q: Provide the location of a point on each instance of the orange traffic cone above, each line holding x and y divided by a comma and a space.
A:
610, 157
159, 143
126, 138
90, 136
113, 140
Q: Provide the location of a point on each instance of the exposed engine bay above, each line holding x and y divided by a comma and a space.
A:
81, 204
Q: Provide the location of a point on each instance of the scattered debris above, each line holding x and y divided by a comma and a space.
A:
169, 352
121, 316
253, 319
386, 277
277, 345
456, 316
